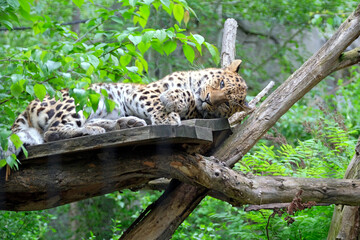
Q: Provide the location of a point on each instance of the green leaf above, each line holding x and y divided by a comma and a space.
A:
139, 65
133, 69
67, 48
51, 65
135, 78
144, 12
140, 20
49, 89
157, 46
169, 47
148, 2
25, 5
94, 100
40, 91
103, 74
2, 163
178, 12
125, 59
143, 47
199, 39
7, 24
24, 151
30, 90
16, 89
27, 54
78, 3
14, 3
133, 2
110, 105
166, 3
148, 36
135, 39
16, 140
161, 35
115, 60
121, 37
68, 59
214, 52
11, 161
94, 60
104, 92
90, 70
145, 64
189, 53
85, 65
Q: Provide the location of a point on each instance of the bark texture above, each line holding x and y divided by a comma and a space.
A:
228, 42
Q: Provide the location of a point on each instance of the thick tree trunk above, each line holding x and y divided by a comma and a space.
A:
327, 60
345, 223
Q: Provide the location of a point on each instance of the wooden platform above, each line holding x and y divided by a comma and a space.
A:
69, 170
194, 131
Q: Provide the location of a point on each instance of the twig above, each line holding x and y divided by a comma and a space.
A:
239, 116
28, 28
267, 225
6, 100
272, 206
13, 60
279, 48
111, 51
92, 29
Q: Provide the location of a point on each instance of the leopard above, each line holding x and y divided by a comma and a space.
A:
206, 93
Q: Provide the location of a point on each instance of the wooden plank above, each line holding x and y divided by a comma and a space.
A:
196, 131
216, 124
135, 136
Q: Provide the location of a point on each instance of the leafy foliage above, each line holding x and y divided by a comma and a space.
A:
64, 59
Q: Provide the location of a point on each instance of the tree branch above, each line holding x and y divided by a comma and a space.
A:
228, 42
239, 116
348, 58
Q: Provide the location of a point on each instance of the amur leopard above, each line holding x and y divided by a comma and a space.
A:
208, 93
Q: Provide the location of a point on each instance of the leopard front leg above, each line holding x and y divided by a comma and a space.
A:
160, 118
179, 101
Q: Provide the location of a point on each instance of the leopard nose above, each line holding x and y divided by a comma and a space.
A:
207, 99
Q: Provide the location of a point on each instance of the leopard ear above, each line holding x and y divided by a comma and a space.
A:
234, 66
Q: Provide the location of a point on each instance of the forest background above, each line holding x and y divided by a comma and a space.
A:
142, 41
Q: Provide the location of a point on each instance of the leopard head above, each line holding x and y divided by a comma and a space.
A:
223, 92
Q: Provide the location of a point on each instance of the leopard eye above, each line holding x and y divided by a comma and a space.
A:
222, 84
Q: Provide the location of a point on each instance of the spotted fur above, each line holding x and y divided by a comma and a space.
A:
208, 93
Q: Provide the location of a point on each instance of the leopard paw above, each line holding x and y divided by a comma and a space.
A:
130, 122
